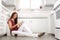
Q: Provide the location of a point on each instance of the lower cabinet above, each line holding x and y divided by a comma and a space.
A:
36, 25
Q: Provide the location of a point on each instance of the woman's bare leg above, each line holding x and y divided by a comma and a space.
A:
24, 28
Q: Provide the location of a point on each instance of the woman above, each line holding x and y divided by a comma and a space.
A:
20, 28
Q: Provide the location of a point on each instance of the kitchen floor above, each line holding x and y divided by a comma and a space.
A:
45, 37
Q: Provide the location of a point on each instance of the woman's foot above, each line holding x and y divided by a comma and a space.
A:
41, 34
15, 35
5, 35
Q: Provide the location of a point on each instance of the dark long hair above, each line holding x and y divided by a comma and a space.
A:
16, 19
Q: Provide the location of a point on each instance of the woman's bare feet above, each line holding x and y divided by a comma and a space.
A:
41, 34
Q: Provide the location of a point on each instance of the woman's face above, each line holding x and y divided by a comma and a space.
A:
15, 16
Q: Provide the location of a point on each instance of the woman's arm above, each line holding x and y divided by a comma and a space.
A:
10, 25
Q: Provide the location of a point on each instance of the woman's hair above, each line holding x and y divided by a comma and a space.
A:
15, 20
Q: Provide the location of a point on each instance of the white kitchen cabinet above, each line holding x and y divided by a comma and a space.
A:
35, 4
2, 24
50, 2
10, 2
57, 19
29, 4
23, 4
36, 25
3, 21
36, 21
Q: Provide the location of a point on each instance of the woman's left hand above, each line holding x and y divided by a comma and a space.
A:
19, 24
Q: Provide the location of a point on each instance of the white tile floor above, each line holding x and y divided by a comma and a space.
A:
45, 37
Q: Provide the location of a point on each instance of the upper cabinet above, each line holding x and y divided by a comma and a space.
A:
9, 2
23, 4
35, 4
29, 4
57, 5
50, 2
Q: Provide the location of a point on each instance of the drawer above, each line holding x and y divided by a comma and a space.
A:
33, 14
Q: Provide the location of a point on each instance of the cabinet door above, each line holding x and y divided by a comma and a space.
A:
10, 2
36, 25
50, 2
35, 4
23, 4
2, 24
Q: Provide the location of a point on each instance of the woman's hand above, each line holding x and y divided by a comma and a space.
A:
19, 24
